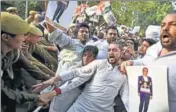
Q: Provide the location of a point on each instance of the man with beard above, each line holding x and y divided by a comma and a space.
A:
70, 56
63, 102
71, 49
99, 93
165, 55
89, 54
111, 36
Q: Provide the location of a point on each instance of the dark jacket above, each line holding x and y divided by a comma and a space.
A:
10, 95
149, 84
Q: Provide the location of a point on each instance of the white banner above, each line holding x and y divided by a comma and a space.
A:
91, 10
153, 31
60, 13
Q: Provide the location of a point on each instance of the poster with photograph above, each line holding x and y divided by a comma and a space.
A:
60, 13
148, 89
109, 18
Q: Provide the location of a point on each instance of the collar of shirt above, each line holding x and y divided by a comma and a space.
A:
168, 54
145, 78
80, 42
139, 56
110, 67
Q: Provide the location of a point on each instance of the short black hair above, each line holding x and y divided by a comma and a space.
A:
119, 44
78, 26
145, 68
150, 41
131, 40
91, 49
112, 27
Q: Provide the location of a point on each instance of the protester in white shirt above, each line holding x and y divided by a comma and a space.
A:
112, 34
164, 53
106, 81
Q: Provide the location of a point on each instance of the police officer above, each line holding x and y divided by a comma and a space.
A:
12, 10
32, 39
13, 29
31, 16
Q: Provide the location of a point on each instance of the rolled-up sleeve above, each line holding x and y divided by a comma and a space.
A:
61, 39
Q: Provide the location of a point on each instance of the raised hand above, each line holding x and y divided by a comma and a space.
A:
123, 66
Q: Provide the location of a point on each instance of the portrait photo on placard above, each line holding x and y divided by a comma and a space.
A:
60, 12
148, 89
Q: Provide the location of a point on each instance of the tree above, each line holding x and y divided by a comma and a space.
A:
140, 13
33, 5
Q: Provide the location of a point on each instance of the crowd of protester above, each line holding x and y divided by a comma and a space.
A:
77, 70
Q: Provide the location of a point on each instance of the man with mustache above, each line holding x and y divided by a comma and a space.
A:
63, 102
112, 35
165, 55
99, 93
70, 57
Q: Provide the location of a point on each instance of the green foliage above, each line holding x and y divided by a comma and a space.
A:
32, 5
142, 13
138, 13
5, 5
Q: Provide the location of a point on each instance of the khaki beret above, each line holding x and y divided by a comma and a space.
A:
32, 12
35, 31
13, 24
11, 9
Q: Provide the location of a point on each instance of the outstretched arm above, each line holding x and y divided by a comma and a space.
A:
60, 38
83, 73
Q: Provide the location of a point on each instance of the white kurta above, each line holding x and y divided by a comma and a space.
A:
99, 94
69, 58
